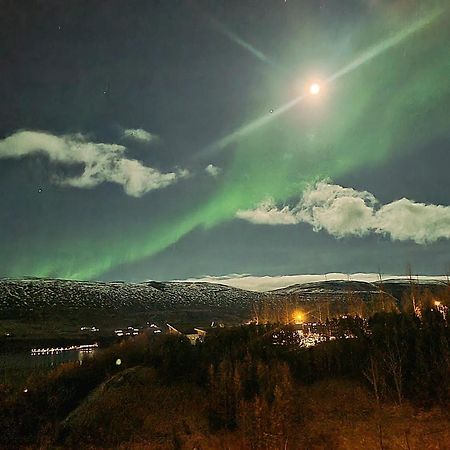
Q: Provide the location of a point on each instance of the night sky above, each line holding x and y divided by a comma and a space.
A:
177, 139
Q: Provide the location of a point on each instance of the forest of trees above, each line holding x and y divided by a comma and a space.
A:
238, 388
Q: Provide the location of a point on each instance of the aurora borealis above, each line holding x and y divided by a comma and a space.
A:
91, 75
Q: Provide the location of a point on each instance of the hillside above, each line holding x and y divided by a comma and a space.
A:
241, 389
43, 310
335, 290
398, 287
58, 309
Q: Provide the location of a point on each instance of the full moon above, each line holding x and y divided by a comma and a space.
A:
314, 89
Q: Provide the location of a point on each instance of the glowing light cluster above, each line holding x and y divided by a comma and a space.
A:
299, 317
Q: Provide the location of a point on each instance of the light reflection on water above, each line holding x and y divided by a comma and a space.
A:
27, 362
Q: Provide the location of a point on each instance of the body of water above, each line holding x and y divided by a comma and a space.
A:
22, 364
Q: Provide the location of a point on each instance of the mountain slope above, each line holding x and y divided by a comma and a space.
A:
53, 293
331, 290
61, 309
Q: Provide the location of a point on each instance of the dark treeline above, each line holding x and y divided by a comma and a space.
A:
248, 379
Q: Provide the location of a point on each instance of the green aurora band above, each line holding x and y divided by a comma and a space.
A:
397, 98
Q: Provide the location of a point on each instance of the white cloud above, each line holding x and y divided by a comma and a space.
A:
101, 162
212, 170
267, 213
139, 134
346, 212
340, 211
405, 219
268, 283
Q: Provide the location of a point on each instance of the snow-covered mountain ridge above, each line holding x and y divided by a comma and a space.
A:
33, 293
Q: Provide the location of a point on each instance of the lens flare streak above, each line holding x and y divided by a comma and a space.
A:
258, 54
360, 60
252, 126
385, 45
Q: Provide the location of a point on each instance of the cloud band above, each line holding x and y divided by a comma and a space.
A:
101, 162
345, 211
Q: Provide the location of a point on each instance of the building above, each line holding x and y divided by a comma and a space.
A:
193, 334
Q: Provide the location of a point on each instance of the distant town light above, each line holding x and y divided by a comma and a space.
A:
299, 317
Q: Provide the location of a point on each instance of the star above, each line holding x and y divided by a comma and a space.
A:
106, 89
